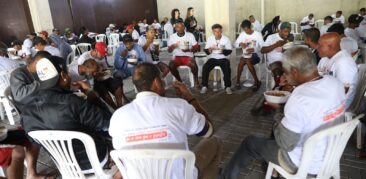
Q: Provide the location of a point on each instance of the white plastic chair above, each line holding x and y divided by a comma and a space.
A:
100, 38
152, 163
239, 29
247, 73
201, 59
190, 75
269, 78
5, 105
294, 29
355, 107
113, 42
337, 137
59, 145
83, 47
217, 69
70, 58
319, 23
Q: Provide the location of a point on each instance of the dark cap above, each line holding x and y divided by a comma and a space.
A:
127, 38
355, 19
32, 34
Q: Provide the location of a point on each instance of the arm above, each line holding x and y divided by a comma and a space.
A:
19, 88
120, 58
267, 49
141, 54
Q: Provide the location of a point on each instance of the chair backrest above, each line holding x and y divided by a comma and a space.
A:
4, 80
319, 23
337, 138
359, 91
100, 38
152, 163
113, 39
294, 27
239, 28
83, 47
59, 145
70, 58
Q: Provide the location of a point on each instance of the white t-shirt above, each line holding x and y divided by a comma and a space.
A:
142, 42
276, 54
338, 19
361, 30
135, 35
310, 106
224, 44
73, 70
324, 28
53, 50
27, 46
169, 28
353, 34
87, 55
156, 25
187, 37
307, 19
6, 67
152, 120
257, 26
254, 40
143, 27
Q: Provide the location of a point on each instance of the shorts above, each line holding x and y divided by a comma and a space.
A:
255, 59
182, 60
16, 137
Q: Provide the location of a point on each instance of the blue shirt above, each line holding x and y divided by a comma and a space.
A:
120, 63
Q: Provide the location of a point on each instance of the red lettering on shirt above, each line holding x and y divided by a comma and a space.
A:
148, 136
337, 112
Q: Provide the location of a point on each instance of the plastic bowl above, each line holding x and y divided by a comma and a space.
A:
217, 51
3, 133
288, 45
278, 97
132, 60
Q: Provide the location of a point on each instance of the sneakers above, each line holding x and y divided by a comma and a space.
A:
204, 90
228, 90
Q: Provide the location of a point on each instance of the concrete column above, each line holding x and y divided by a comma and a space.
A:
41, 15
222, 12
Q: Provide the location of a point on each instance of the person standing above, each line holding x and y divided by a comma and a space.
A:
191, 23
271, 28
175, 17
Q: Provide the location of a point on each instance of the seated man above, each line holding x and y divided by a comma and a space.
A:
338, 17
218, 46
84, 71
128, 55
151, 47
311, 38
27, 46
174, 117
103, 82
299, 119
68, 111
18, 47
354, 22
251, 43
183, 44
328, 21
41, 45
273, 46
345, 41
307, 22
84, 36
134, 34
339, 63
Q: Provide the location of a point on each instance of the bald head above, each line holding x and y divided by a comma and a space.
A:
329, 44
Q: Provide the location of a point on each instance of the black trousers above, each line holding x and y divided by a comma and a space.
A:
225, 67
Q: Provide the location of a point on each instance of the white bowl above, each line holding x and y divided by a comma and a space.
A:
288, 45
3, 133
132, 60
273, 96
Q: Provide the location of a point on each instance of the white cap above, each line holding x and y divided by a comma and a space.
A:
47, 73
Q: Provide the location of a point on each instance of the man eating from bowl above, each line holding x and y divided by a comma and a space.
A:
297, 120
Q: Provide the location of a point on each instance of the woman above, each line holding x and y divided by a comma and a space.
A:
271, 27
191, 22
175, 17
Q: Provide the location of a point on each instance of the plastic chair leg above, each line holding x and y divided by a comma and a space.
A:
2, 111
9, 114
359, 136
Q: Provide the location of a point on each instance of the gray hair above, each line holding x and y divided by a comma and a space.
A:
300, 58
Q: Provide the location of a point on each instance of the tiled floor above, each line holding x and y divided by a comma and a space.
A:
233, 122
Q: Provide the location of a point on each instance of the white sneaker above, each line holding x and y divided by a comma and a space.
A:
204, 90
228, 90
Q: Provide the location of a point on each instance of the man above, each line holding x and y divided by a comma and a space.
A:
41, 45
143, 25
257, 26
338, 17
27, 46
218, 46
103, 81
307, 22
56, 41
311, 38
340, 64
156, 25
273, 47
172, 120
354, 22
84, 38
135, 35
128, 55
6, 66
70, 37
328, 21
250, 42
151, 46
69, 112
310, 106
19, 52
183, 44
83, 71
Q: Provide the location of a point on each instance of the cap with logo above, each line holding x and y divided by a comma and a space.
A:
101, 48
47, 73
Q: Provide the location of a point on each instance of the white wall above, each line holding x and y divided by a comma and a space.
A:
166, 6
41, 15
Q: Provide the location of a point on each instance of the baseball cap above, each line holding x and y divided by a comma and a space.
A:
45, 33
129, 27
101, 48
47, 73
67, 30
355, 18
285, 25
127, 38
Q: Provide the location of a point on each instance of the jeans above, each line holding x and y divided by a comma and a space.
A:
123, 74
210, 64
252, 148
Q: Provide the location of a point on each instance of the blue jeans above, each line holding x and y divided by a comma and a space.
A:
123, 74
